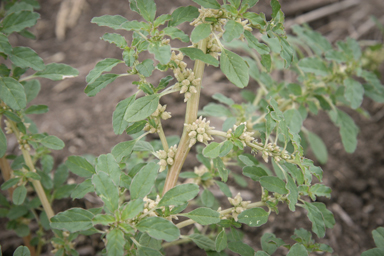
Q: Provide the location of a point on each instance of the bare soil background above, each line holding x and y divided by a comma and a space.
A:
85, 124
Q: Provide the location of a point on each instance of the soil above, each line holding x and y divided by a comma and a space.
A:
84, 123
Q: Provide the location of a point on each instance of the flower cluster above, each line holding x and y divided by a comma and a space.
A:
200, 171
8, 128
238, 205
150, 207
166, 158
213, 48
159, 113
275, 151
199, 131
187, 83
207, 14
245, 137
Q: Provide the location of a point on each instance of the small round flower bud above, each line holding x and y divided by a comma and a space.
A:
165, 115
192, 134
170, 161
200, 138
186, 82
162, 162
184, 88
200, 130
187, 95
192, 89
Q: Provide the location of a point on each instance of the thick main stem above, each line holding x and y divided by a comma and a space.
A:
190, 117
36, 183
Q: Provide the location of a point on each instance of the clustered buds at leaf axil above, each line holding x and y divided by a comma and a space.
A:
199, 131
159, 113
213, 48
187, 82
200, 171
238, 205
245, 137
166, 158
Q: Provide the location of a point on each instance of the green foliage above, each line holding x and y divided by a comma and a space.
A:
139, 204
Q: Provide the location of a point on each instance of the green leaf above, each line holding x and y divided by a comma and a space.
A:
273, 42
22, 251
255, 44
254, 172
142, 108
315, 216
159, 228
374, 252
293, 193
146, 8
313, 65
135, 128
116, 39
5, 46
36, 109
353, 92
183, 14
329, 220
223, 99
52, 142
73, 220
12, 93
212, 150
133, 208
221, 241
179, 195
118, 122
275, 7
101, 82
378, 236
17, 21
273, 184
129, 57
123, 149
80, 166
241, 248
197, 54
203, 242
297, 250
107, 190
234, 68
103, 219
115, 242
233, 30
32, 89
146, 240
25, 57
146, 67
203, 216
19, 195
3, 143
294, 120
200, 32
176, 33
9, 183
266, 61
102, 66
208, 3
112, 21
254, 217
250, 3
224, 188
207, 198
162, 52
82, 189
348, 129
318, 147
107, 164
143, 181
161, 20
56, 72
146, 251
225, 148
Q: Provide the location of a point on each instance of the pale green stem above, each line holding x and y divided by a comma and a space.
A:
223, 212
162, 136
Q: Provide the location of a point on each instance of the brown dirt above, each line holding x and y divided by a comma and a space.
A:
84, 124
